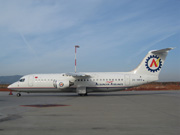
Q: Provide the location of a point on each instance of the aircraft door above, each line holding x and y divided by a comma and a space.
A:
31, 80
127, 80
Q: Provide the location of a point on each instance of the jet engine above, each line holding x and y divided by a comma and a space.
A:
62, 84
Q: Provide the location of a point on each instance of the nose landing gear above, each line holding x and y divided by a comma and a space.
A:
18, 94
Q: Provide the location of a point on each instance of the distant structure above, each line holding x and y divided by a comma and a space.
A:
76, 46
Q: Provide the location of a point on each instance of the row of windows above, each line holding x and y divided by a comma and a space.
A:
99, 80
109, 83
38, 80
22, 80
83, 80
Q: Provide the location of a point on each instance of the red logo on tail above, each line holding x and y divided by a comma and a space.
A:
153, 63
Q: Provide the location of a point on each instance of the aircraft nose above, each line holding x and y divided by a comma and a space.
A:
13, 86
10, 86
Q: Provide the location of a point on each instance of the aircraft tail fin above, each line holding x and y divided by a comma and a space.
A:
153, 62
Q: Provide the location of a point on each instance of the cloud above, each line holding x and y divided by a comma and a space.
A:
143, 49
27, 44
37, 17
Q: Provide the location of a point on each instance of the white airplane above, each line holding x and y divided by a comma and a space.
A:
86, 82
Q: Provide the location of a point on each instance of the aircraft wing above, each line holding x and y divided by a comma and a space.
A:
77, 74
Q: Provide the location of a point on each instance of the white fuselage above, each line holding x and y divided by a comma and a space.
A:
96, 82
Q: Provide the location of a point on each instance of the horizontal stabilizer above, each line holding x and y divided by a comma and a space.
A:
161, 51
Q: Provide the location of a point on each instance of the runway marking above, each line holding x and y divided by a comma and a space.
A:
44, 105
10, 117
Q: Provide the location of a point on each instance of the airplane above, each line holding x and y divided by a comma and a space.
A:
83, 83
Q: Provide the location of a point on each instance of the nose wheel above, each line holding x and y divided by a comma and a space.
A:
18, 94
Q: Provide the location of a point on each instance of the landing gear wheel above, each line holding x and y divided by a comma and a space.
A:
18, 94
81, 91
83, 94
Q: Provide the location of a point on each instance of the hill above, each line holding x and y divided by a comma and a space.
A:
9, 79
157, 86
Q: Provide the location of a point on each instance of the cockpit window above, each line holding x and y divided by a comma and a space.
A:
22, 80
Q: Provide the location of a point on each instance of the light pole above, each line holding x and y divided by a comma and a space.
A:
76, 46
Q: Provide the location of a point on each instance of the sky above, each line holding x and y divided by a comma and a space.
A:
38, 36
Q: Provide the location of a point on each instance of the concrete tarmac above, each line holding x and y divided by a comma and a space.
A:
117, 113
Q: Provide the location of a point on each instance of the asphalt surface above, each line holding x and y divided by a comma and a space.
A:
117, 113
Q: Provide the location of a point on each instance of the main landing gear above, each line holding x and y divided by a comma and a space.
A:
84, 94
18, 94
81, 91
